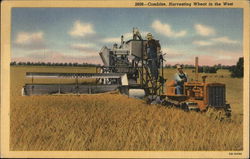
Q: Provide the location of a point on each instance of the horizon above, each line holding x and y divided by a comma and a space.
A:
77, 34
83, 64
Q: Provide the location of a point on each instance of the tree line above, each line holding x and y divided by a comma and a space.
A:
203, 69
14, 63
236, 70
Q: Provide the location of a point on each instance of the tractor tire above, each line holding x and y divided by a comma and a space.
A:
217, 114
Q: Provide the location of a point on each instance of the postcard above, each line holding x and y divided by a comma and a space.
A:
125, 79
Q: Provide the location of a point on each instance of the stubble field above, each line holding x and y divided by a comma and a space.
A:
112, 121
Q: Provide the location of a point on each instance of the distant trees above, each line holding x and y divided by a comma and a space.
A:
14, 63
184, 66
238, 69
208, 69
203, 69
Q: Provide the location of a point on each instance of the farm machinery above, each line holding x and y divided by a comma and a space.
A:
126, 68
200, 96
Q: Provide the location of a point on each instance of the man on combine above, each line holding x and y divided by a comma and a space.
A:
179, 78
152, 48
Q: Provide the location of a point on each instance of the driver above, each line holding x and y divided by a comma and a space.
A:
180, 78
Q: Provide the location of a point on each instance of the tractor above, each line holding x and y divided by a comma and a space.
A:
199, 96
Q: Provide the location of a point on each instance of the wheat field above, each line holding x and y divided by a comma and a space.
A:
114, 122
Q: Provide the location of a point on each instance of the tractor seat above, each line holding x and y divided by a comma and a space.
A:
170, 92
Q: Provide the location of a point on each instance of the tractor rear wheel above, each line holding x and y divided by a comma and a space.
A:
218, 113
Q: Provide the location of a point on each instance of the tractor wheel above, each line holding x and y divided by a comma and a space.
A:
217, 114
228, 110
184, 106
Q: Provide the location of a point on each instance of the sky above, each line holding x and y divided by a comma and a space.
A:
78, 34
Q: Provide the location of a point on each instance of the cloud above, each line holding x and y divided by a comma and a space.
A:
218, 55
216, 41
112, 40
220, 58
208, 56
83, 46
177, 56
225, 40
26, 40
204, 30
58, 57
203, 43
126, 36
81, 29
166, 30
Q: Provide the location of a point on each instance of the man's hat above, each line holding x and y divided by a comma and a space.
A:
149, 35
179, 67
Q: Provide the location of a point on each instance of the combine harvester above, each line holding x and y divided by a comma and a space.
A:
126, 68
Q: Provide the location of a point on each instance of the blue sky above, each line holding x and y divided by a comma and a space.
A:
77, 34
